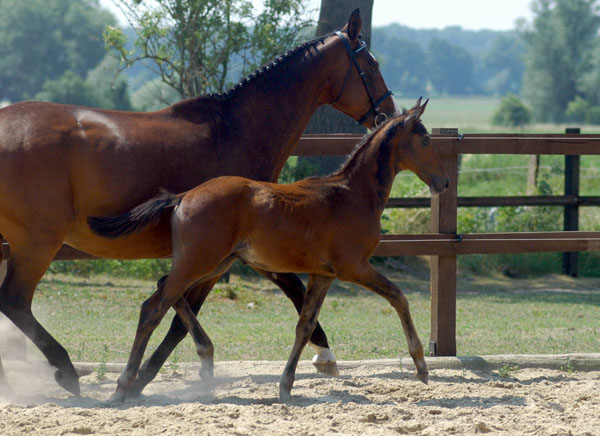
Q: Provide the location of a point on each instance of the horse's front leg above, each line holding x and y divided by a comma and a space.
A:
365, 275
293, 288
317, 289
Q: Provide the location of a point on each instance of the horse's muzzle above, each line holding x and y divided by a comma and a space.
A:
439, 184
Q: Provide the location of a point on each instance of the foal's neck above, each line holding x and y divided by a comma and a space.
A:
371, 170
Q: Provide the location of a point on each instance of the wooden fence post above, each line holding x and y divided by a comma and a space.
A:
571, 212
443, 268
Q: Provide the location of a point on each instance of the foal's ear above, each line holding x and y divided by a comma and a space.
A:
354, 25
421, 109
415, 114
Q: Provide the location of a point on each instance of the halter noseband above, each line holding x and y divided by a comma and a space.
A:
380, 117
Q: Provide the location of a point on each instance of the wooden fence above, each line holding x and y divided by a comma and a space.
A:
443, 244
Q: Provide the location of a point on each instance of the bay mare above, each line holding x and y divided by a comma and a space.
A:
327, 227
61, 163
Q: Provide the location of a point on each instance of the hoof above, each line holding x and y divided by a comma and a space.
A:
68, 380
119, 396
206, 374
327, 367
285, 396
424, 377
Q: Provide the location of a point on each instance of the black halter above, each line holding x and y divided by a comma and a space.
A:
380, 117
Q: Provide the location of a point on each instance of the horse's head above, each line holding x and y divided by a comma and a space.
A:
413, 150
358, 89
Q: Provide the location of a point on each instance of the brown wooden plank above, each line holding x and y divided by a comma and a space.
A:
70, 253
522, 200
326, 145
340, 144
525, 144
487, 243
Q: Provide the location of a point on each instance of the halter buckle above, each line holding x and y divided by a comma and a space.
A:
380, 118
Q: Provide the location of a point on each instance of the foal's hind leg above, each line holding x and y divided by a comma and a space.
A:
27, 266
293, 288
365, 275
204, 346
195, 297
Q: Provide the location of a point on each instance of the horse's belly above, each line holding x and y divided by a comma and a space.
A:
151, 243
291, 259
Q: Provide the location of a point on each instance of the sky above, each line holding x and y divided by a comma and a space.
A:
428, 14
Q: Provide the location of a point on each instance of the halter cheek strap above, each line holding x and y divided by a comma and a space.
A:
380, 117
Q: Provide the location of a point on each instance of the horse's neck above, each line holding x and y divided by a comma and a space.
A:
272, 111
371, 172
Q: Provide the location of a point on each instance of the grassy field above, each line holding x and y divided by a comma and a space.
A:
502, 175
95, 318
473, 114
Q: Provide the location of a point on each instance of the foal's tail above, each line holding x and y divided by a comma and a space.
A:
134, 220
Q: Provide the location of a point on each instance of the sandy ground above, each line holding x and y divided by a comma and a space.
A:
369, 398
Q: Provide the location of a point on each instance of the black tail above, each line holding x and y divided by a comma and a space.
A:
136, 219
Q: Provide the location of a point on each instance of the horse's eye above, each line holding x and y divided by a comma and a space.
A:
426, 140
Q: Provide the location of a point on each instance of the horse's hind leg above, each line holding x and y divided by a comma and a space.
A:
195, 297
293, 288
25, 269
204, 346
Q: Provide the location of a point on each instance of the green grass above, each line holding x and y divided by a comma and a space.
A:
95, 318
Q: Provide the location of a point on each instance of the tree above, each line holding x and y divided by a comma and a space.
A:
504, 64
450, 67
559, 46
195, 45
402, 63
512, 113
41, 39
334, 15
100, 89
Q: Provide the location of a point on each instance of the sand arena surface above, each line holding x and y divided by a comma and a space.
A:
367, 399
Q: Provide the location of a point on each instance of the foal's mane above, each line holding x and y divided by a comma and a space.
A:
397, 123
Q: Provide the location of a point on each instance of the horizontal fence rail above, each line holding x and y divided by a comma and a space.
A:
443, 244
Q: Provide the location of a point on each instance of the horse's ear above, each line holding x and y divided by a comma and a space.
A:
422, 108
354, 25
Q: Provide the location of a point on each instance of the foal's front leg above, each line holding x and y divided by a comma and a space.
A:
365, 275
317, 289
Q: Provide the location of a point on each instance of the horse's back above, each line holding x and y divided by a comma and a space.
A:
60, 163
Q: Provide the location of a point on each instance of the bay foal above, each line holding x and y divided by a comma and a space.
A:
327, 227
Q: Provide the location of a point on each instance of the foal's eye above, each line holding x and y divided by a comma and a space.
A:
425, 141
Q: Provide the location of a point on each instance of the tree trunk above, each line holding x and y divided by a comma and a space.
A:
334, 15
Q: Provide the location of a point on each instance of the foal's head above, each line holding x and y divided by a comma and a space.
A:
412, 149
